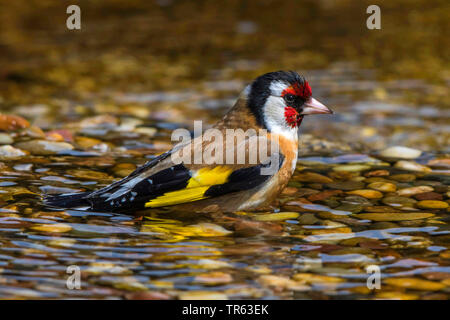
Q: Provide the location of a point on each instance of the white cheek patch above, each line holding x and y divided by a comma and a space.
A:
274, 112
277, 87
275, 119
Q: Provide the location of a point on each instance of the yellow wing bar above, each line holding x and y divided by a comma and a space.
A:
201, 181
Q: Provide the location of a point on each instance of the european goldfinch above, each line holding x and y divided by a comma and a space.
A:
272, 108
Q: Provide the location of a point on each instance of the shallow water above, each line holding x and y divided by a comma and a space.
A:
347, 208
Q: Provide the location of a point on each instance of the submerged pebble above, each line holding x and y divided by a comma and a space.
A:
394, 216
428, 196
404, 177
8, 151
281, 283
383, 186
377, 173
400, 152
57, 227
281, 216
213, 278
346, 185
432, 204
367, 193
86, 142
5, 138
415, 284
123, 169
202, 295
312, 177
315, 278
351, 167
414, 190
411, 166
43, 147
398, 201
12, 123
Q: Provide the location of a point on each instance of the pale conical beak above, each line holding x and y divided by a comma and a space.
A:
312, 106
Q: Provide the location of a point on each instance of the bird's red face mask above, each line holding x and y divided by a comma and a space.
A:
299, 102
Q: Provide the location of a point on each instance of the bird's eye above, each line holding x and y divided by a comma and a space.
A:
289, 98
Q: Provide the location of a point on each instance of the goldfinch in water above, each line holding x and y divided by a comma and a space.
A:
268, 111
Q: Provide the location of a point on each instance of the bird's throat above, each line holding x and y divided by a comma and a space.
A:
293, 118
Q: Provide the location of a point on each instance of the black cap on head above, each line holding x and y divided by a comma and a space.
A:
260, 90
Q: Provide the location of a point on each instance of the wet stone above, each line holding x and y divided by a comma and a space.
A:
302, 192
316, 186
33, 132
204, 230
377, 173
415, 284
12, 123
400, 152
395, 295
8, 151
289, 191
282, 283
324, 195
147, 295
432, 204
367, 193
356, 199
88, 174
342, 175
429, 183
350, 207
57, 227
375, 179
86, 142
213, 278
414, 190
307, 219
123, 169
331, 202
399, 201
404, 177
383, 225
312, 177
295, 184
332, 214
445, 254
434, 296
5, 138
351, 167
99, 122
315, 278
394, 216
378, 209
54, 136
411, 166
43, 147
383, 186
346, 185
442, 178
428, 196
440, 163
281, 216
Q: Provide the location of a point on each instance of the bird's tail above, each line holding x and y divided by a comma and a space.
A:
70, 200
